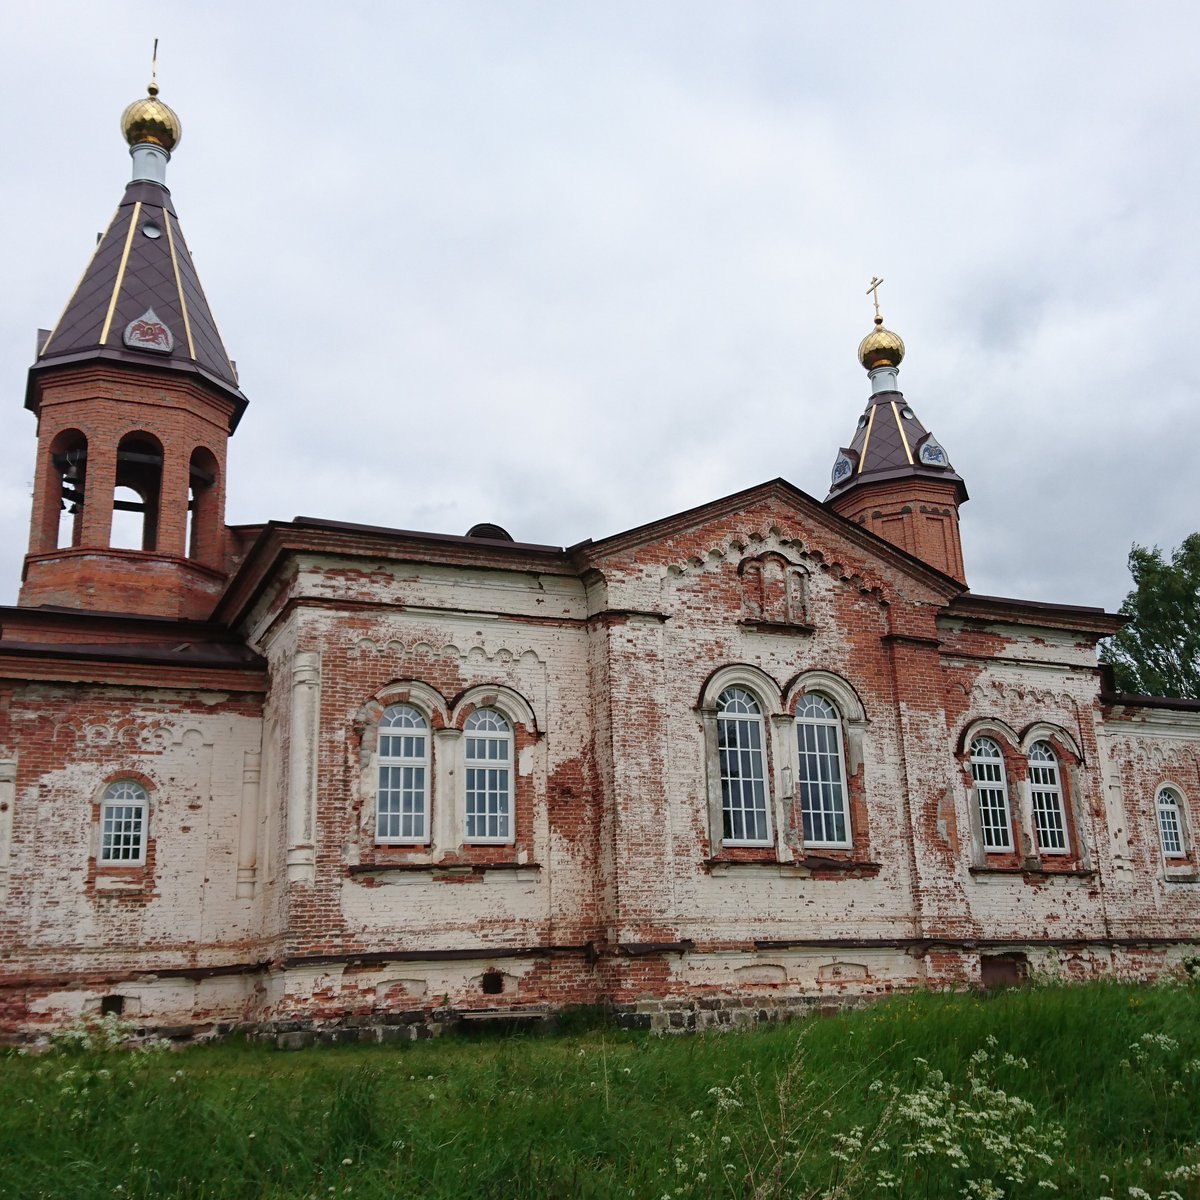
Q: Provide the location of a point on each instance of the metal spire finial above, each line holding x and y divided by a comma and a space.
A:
152, 87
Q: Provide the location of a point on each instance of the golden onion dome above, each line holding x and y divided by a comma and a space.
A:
881, 348
151, 121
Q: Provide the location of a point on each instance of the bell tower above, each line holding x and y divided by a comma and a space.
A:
895, 477
135, 399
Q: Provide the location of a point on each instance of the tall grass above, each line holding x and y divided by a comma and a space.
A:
1088, 1091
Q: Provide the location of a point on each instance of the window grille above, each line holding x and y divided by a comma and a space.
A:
1045, 791
743, 769
489, 753
123, 824
991, 794
822, 773
402, 799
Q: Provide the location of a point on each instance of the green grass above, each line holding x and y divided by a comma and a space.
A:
833, 1106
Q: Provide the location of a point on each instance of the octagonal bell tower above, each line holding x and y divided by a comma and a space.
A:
895, 477
135, 399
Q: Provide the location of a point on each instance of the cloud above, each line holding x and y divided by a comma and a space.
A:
573, 267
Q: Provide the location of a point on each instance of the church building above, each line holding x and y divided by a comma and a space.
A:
308, 777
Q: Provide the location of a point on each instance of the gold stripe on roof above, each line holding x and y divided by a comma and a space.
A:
54, 328
187, 325
112, 304
862, 458
903, 437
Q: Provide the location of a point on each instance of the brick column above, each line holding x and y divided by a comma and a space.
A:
98, 504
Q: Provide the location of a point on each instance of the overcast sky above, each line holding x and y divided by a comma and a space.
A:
572, 266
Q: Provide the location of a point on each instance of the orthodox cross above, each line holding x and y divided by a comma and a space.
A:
873, 292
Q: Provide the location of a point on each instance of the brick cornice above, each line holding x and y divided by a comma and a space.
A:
281, 540
1076, 618
66, 664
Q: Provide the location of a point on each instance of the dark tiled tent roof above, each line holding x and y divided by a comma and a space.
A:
886, 445
134, 271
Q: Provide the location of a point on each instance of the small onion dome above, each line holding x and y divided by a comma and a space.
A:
150, 121
880, 348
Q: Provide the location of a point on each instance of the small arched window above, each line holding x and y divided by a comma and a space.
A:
402, 798
743, 769
489, 756
1046, 800
1170, 823
822, 772
123, 812
991, 794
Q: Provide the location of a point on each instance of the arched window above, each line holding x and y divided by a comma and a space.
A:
1046, 799
743, 769
402, 798
1170, 823
822, 776
991, 794
123, 811
489, 755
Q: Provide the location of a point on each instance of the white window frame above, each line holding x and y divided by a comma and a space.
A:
401, 762
123, 794
1168, 799
839, 786
994, 790
1046, 801
505, 740
747, 725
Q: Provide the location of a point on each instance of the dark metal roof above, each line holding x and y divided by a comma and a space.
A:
887, 445
142, 265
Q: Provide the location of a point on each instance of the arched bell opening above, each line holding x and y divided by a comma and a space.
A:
137, 493
203, 507
66, 485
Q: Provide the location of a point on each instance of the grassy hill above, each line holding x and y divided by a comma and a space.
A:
1086, 1091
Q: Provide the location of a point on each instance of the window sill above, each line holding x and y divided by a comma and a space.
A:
1188, 874
1034, 873
371, 873
806, 866
792, 627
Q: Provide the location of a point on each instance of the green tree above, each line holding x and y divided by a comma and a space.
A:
1158, 652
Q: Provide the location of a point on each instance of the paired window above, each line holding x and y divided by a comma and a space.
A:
1046, 813
403, 797
820, 771
1170, 823
124, 808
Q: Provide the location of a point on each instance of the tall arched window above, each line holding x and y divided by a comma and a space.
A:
743, 769
1046, 800
1170, 823
822, 775
991, 794
123, 809
489, 756
402, 798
